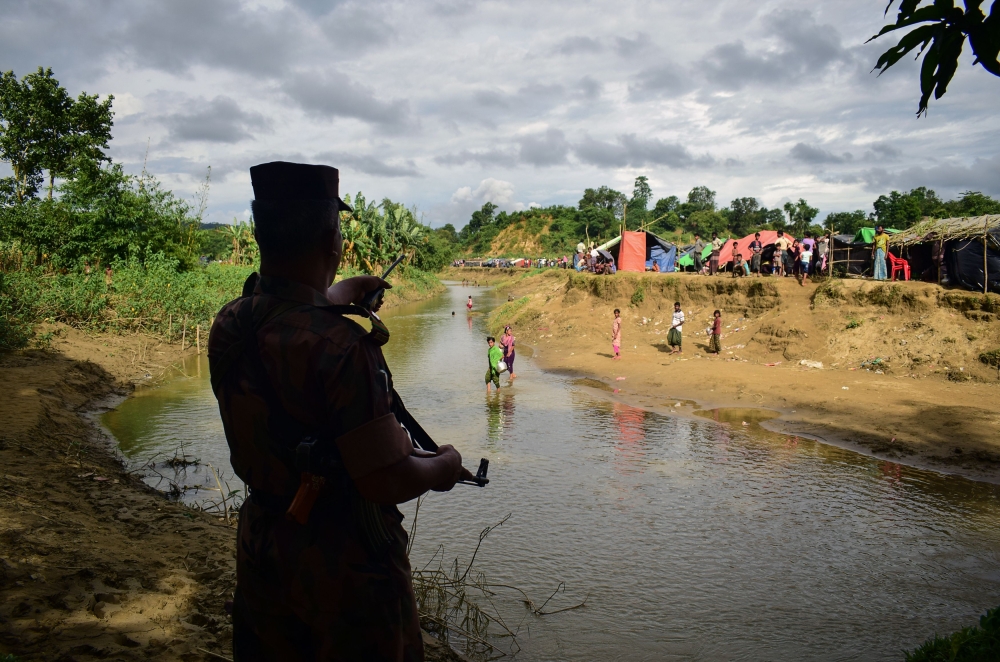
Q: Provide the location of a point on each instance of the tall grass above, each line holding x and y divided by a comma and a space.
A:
972, 644
149, 295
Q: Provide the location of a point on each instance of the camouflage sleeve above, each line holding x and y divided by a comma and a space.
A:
359, 401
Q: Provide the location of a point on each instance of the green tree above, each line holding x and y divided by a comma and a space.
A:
701, 198
665, 216
972, 203
22, 132
43, 128
800, 216
705, 222
481, 219
943, 29
846, 222
901, 210
639, 202
604, 198
744, 215
772, 219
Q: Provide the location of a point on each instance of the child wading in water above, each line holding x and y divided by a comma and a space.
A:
493, 371
715, 341
468, 304
616, 334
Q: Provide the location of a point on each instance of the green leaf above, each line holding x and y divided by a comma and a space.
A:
951, 50
927, 77
907, 43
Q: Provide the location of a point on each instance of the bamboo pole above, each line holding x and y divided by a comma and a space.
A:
986, 277
197, 337
184, 329
829, 253
170, 327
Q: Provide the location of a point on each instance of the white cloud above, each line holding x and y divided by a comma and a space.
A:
416, 101
492, 190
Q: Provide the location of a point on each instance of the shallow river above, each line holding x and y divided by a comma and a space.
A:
693, 540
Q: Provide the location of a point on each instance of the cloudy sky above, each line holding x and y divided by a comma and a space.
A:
449, 104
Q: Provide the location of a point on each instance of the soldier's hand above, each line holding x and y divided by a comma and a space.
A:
353, 290
457, 473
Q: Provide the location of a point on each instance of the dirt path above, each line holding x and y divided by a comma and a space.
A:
93, 563
902, 383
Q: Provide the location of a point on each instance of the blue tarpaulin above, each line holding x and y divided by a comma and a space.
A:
664, 260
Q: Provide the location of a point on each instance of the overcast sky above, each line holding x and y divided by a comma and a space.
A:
449, 104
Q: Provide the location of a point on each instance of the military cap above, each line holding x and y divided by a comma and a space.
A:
280, 180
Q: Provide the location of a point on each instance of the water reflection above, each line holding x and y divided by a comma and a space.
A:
696, 539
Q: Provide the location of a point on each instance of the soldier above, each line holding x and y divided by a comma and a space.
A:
310, 416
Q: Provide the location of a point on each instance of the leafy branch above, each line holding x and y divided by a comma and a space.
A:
940, 37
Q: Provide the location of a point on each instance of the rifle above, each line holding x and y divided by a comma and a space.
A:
373, 299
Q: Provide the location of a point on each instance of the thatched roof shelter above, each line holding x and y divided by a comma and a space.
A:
946, 229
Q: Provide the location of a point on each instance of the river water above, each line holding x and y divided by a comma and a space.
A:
688, 539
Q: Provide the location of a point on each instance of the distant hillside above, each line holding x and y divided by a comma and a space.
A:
520, 239
548, 232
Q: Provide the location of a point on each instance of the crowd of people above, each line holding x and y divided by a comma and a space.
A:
791, 257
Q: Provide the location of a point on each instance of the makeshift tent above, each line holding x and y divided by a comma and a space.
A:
686, 258
767, 238
632, 250
664, 260
967, 248
867, 235
850, 257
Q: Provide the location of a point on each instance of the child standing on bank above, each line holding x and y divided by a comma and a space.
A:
493, 370
616, 334
715, 341
676, 327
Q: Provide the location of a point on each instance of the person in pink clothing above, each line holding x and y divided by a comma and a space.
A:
468, 304
507, 345
616, 334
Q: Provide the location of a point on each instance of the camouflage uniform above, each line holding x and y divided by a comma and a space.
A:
323, 590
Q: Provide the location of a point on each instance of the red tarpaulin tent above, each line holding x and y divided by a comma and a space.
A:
632, 252
767, 237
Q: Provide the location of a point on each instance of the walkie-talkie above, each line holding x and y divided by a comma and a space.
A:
373, 299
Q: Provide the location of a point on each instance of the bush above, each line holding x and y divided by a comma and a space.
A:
975, 644
147, 295
829, 292
15, 317
991, 358
639, 295
892, 297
